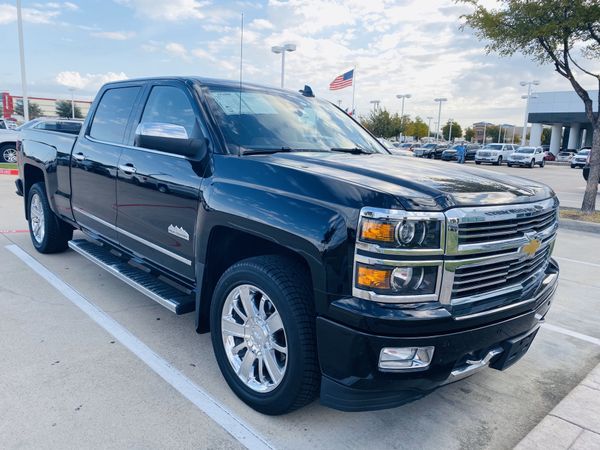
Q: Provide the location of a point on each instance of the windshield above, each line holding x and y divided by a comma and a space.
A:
525, 150
428, 146
493, 146
584, 152
275, 120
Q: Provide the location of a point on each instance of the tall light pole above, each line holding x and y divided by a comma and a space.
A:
500, 134
340, 103
528, 84
282, 49
72, 89
375, 104
22, 59
402, 97
429, 126
450, 122
440, 100
484, 131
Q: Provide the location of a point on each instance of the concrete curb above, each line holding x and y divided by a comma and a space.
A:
574, 423
579, 225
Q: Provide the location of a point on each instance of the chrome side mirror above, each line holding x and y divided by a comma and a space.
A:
161, 130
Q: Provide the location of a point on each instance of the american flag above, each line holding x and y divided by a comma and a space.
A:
342, 81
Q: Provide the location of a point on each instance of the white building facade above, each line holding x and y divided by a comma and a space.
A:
565, 113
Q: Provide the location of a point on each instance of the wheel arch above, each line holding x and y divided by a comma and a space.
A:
226, 246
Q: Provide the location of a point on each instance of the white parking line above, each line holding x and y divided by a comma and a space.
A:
575, 334
585, 263
231, 423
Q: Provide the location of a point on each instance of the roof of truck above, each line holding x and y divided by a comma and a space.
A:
205, 81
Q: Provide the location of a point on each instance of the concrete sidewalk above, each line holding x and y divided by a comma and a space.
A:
574, 423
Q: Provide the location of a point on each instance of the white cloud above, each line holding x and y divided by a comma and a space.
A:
114, 35
88, 81
176, 49
8, 14
261, 24
173, 10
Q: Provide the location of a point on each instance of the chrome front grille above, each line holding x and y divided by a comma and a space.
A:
481, 278
536, 221
495, 254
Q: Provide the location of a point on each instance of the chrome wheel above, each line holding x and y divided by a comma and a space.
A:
254, 338
10, 155
36, 214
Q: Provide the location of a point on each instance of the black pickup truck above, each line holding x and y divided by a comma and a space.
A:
321, 264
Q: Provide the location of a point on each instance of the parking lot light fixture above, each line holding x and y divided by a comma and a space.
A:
429, 126
402, 97
528, 97
282, 49
375, 104
440, 100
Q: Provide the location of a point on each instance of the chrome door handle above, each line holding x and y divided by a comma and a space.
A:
79, 156
128, 168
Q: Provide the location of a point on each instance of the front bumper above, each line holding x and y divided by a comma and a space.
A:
349, 358
486, 159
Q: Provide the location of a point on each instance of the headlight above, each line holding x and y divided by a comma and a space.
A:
402, 232
398, 255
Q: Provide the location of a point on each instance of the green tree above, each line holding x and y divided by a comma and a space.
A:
382, 124
34, 109
417, 128
564, 33
546, 134
469, 134
456, 130
63, 109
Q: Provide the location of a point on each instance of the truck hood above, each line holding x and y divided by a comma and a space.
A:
416, 183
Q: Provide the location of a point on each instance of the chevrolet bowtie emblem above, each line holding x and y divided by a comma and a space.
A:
531, 247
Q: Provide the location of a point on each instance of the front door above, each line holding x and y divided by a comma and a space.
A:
158, 192
95, 158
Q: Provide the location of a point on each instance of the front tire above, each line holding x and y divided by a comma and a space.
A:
263, 333
48, 233
499, 162
478, 162
532, 163
542, 163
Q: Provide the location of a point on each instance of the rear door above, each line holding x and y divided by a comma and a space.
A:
158, 192
95, 157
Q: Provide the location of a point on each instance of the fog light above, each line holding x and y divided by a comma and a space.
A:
405, 359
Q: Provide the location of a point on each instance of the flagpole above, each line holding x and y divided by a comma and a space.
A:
353, 87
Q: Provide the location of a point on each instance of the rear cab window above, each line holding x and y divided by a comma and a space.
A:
112, 114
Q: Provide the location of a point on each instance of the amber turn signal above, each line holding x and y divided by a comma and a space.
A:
374, 230
372, 278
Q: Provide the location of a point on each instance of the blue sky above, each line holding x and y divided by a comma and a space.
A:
402, 46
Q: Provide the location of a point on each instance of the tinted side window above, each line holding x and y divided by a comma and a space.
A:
168, 104
112, 114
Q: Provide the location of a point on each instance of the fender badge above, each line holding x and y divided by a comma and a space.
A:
531, 247
179, 232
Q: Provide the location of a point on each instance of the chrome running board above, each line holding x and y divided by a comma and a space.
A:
158, 290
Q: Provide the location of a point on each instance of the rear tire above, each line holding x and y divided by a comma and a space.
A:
509, 164
8, 153
268, 283
48, 233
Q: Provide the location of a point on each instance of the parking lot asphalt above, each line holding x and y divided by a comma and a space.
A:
66, 382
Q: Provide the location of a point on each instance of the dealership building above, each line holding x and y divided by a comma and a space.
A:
47, 105
565, 114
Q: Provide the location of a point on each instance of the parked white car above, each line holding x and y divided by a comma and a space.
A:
527, 157
565, 156
8, 146
494, 153
580, 159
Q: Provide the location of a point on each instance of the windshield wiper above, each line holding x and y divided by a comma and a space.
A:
265, 151
353, 150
